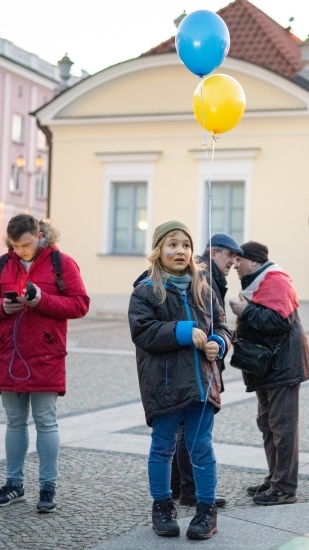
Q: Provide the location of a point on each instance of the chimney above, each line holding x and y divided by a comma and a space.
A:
304, 54
64, 65
178, 19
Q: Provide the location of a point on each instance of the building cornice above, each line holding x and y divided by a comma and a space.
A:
27, 73
168, 117
130, 156
227, 154
49, 114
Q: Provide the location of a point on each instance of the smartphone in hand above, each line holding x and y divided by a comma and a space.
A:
11, 295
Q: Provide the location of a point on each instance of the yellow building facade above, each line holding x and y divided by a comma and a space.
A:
127, 155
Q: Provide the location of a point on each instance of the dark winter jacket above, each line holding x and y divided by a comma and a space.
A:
219, 282
262, 325
33, 341
219, 286
173, 374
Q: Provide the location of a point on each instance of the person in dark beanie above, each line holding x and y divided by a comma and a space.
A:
255, 251
267, 316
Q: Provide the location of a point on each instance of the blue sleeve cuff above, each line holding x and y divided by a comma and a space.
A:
220, 341
184, 332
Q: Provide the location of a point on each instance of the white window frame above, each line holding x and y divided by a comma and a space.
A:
16, 180
41, 140
20, 138
230, 165
116, 184
41, 185
227, 206
121, 168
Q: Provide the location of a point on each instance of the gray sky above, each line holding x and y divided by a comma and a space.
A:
97, 34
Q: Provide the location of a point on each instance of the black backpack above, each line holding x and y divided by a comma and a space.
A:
56, 261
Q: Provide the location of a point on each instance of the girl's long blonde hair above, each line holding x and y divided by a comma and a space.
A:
194, 269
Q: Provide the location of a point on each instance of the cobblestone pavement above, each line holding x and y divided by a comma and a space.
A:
101, 495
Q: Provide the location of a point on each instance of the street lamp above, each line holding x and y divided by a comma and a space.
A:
21, 163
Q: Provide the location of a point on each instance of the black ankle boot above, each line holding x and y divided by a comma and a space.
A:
204, 523
164, 514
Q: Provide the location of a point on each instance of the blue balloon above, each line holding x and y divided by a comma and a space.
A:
202, 42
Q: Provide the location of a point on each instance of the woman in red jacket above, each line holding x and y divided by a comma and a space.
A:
33, 349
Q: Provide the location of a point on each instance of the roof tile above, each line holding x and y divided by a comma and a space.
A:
255, 38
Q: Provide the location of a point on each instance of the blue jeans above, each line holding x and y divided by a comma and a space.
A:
17, 406
199, 444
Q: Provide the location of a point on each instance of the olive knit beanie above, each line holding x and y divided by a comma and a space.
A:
166, 227
256, 252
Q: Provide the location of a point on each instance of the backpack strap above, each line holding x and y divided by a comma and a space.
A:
3, 259
56, 261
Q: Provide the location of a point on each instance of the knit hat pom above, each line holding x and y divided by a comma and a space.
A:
167, 227
256, 252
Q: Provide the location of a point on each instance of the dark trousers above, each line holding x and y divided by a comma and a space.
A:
182, 480
277, 419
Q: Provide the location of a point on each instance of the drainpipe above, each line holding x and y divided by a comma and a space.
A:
46, 131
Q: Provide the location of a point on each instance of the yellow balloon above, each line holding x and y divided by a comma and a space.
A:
219, 103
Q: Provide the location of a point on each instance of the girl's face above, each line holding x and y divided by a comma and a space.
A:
176, 253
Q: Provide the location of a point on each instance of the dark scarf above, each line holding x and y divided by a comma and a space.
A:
217, 274
248, 279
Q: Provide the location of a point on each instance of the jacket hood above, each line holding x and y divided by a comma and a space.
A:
142, 278
51, 234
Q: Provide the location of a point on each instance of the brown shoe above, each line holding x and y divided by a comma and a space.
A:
164, 514
257, 489
204, 523
272, 497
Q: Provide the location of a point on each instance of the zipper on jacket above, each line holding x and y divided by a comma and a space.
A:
196, 359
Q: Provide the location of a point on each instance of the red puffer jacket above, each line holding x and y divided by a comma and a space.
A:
33, 341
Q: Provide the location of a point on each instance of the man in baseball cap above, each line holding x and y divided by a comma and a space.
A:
224, 251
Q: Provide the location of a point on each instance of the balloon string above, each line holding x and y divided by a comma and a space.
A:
209, 209
210, 225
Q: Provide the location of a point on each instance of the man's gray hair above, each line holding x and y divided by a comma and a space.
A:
217, 248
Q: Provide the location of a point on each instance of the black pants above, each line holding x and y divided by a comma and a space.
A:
277, 419
182, 480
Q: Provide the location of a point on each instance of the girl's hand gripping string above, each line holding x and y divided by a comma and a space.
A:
199, 338
211, 350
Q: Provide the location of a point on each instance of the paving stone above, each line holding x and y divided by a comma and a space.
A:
101, 495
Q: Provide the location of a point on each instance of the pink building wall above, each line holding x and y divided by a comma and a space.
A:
22, 90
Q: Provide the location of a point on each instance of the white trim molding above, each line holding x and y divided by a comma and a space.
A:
228, 165
49, 115
131, 156
126, 167
226, 154
170, 117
